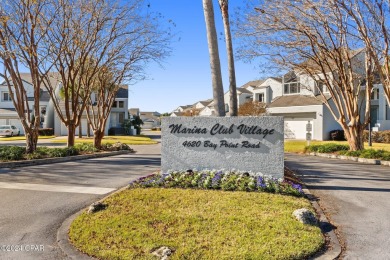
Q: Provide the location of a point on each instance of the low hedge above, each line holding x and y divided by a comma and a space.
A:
344, 150
326, 148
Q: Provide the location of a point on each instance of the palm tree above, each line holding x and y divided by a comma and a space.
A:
215, 64
223, 4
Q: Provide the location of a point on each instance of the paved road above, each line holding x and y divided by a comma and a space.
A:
356, 196
35, 201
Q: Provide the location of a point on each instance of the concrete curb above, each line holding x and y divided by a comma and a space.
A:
351, 158
15, 164
333, 249
63, 236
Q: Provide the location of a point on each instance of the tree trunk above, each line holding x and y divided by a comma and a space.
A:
71, 134
88, 129
97, 139
354, 136
80, 131
216, 76
229, 48
31, 140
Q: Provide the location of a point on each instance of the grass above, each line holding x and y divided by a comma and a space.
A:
294, 146
18, 138
196, 224
130, 140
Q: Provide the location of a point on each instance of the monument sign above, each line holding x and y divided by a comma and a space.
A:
242, 143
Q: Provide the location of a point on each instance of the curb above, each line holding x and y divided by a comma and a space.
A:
351, 158
15, 164
333, 248
63, 237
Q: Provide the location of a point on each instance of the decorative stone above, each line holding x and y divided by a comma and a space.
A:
95, 207
163, 252
305, 216
247, 144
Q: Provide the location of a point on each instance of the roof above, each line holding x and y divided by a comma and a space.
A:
297, 100
123, 92
45, 96
332, 65
278, 79
244, 90
253, 83
205, 102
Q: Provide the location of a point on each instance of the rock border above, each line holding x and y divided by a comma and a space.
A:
14, 164
351, 158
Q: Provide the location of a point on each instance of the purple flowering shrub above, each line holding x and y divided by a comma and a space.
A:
219, 180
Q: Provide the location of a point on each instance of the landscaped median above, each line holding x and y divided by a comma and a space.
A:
129, 140
340, 151
200, 215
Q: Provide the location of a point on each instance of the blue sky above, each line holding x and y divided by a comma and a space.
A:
186, 77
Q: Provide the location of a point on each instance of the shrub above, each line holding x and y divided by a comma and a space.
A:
337, 135
378, 137
219, 180
62, 152
11, 153
327, 148
85, 147
46, 131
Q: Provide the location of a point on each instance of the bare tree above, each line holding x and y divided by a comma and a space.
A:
90, 35
371, 20
141, 41
224, 6
216, 76
23, 26
314, 39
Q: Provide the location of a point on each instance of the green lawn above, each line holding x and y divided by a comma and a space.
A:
197, 224
130, 140
293, 146
18, 138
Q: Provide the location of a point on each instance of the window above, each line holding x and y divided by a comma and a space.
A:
121, 118
226, 108
114, 104
292, 88
322, 87
121, 104
375, 94
261, 98
5, 96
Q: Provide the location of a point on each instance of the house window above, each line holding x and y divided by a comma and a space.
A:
292, 88
322, 87
261, 98
226, 108
121, 118
5, 96
121, 104
114, 104
375, 94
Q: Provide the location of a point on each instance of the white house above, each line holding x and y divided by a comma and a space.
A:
49, 117
8, 114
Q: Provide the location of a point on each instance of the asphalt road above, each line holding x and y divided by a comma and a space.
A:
35, 201
357, 199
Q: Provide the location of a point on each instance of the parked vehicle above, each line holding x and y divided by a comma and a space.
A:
9, 130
